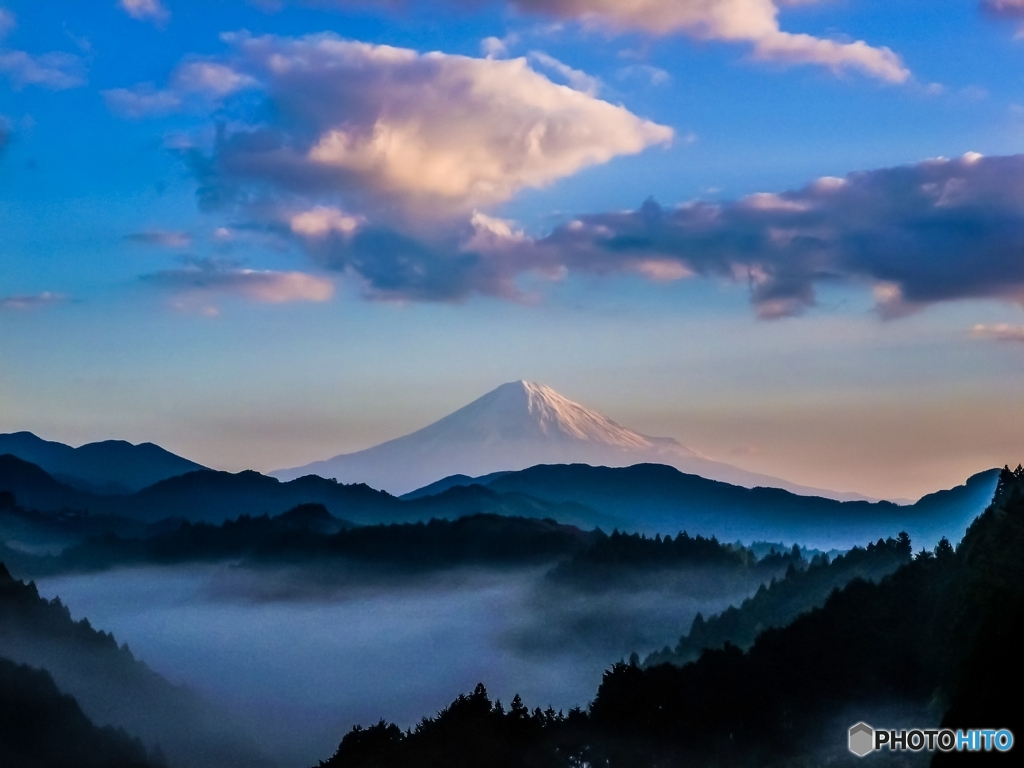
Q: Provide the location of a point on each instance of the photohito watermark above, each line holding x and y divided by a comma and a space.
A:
864, 740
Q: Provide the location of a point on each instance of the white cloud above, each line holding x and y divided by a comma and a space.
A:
163, 238
661, 270
491, 234
1010, 8
653, 75
751, 21
436, 133
939, 231
197, 282
143, 100
769, 201
209, 78
576, 78
203, 82
498, 47
33, 301
999, 332
7, 22
58, 71
323, 221
736, 21
146, 10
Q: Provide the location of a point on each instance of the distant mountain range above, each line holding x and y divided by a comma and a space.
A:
108, 467
657, 498
520, 425
649, 498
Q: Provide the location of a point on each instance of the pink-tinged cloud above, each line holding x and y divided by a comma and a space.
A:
57, 71
941, 230
1013, 9
7, 22
28, 302
323, 221
143, 100
198, 282
750, 21
999, 332
196, 84
146, 10
431, 135
754, 22
162, 238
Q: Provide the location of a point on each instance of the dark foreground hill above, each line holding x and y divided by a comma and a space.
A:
112, 687
936, 642
111, 466
42, 728
781, 601
648, 498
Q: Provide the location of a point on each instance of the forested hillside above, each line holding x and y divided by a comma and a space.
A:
111, 685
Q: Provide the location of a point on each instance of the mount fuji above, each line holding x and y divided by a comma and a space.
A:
516, 426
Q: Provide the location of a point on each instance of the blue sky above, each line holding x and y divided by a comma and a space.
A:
261, 235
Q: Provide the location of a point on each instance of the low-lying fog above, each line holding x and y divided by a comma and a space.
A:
301, 665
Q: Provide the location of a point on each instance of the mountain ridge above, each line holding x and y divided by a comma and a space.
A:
107, 467
648, 498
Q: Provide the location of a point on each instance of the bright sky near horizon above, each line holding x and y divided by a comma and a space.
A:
789, 233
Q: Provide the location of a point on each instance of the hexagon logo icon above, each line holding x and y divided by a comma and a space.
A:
862, 739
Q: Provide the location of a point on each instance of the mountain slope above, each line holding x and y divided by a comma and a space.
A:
519, 425
111, 466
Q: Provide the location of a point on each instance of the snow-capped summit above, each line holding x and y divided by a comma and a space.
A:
519, 425
523, 410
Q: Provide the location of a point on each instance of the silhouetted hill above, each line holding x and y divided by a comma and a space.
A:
452, 481
942, 628
476, 499
205, 495
658, 498
645, 497
33, 487
212, 496
111, 466
111, 685
42, 728
309, 536
31, 531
